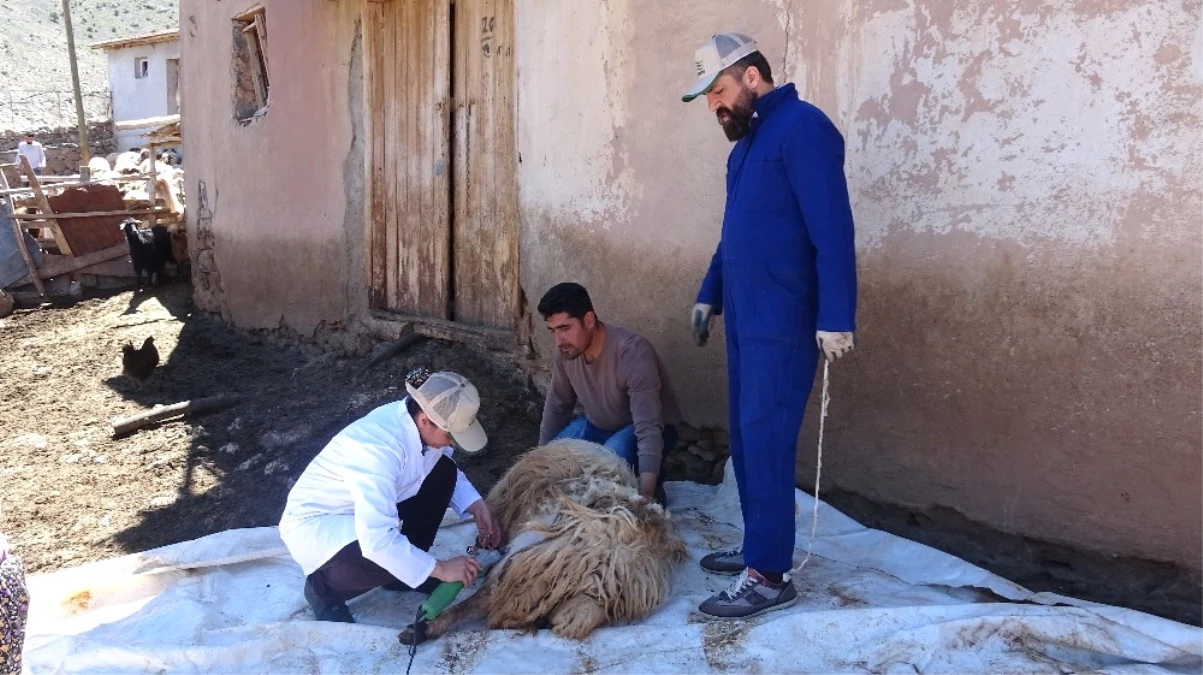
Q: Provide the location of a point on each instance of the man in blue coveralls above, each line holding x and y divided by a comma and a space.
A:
784, 277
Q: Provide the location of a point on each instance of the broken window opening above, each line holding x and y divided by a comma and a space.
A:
252, 84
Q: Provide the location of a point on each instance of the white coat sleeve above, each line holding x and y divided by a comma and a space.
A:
378, 527
465, 493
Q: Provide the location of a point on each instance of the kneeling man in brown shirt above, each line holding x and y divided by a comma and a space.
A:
616, 375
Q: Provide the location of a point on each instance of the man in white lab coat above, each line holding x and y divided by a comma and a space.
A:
365, 512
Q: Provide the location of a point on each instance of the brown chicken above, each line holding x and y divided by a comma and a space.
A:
138, 364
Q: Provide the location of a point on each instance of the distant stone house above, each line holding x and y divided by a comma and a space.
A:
144, 82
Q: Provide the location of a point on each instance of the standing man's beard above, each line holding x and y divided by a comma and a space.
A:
737, 121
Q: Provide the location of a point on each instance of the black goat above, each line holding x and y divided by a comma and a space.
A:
162, 240
143, 252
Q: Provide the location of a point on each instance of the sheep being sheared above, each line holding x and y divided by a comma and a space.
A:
586, 550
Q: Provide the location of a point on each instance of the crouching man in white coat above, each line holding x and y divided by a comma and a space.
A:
366, 510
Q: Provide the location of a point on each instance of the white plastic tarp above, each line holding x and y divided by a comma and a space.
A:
868, 602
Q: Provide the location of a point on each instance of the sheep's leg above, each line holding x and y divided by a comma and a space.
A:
577, 617
476, 606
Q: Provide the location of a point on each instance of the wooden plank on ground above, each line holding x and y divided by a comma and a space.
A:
58, 265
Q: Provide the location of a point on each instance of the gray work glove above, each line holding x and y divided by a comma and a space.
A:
835, 345
703, 314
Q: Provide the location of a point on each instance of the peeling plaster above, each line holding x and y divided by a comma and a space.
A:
1049, 98
590, 179
1196, 65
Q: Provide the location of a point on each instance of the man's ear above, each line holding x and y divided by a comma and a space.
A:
590, 319
752, 77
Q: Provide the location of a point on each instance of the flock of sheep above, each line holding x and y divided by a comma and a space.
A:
168, 181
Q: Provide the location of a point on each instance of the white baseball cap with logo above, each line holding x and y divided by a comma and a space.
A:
451, 402
712, 58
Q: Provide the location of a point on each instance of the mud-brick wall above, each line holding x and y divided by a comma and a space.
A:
1025, 179
1026, 182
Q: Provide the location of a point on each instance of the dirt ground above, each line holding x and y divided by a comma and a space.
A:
71, 493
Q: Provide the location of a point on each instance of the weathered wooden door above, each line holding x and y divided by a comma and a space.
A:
485, 212
408, 71
443, 227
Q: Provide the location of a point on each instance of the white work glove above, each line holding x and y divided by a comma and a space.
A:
702, 315
835, 345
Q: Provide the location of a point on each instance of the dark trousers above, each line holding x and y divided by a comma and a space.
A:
348, 574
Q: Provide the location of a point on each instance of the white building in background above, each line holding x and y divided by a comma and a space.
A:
144, 82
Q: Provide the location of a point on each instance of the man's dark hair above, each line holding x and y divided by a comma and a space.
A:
568, 297
412, 407
754, 60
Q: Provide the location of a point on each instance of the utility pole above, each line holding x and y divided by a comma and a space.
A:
85, 153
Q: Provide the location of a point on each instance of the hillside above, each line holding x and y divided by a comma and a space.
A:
33, 55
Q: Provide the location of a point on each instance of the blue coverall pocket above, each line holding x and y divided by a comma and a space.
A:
776, 299
786, 273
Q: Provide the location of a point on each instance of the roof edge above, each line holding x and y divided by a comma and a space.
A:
135, 40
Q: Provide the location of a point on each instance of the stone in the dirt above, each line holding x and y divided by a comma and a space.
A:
709, 454
35, 441
229, 448
277, 439
688, 434
717, 475
672, 467
696, 469
161, 501
249, 463
274, 466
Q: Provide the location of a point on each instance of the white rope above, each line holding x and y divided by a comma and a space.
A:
814, 520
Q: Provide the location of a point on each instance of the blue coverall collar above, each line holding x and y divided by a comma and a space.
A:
766, 104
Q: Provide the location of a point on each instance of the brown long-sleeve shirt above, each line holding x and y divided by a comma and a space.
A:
627, 384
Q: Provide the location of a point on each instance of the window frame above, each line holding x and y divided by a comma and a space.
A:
253, 25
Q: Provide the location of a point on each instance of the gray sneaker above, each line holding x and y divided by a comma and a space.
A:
725, 562
749, 596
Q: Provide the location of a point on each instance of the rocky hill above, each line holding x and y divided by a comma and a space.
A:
33, 55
